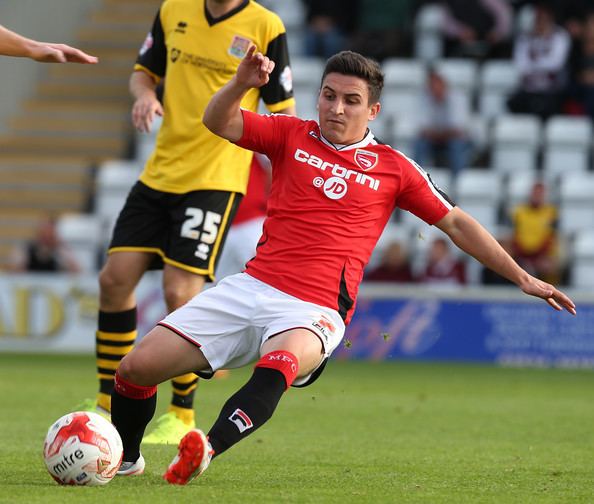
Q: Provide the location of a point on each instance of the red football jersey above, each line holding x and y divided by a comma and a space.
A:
328, 206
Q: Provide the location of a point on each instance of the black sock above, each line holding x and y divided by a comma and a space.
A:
249, 408
116, 333
130, 417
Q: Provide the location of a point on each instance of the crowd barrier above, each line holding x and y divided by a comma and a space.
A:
57, 313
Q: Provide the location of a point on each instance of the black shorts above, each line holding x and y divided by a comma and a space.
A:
185, 230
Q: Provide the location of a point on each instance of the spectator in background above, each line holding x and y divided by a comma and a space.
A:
394, 266
13, 44
329, 24
45, 253
443, 268
383, 28
541, 58
477, 29
535, 240
442, 125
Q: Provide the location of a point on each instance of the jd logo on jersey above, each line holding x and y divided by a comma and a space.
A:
335, 188
175, 53
365, 160
181, 27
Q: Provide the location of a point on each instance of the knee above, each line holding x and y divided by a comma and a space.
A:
133, 369
111, 281
176, 296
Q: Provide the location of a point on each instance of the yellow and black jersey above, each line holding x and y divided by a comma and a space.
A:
197, 54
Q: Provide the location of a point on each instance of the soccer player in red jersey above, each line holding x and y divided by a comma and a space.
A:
334, 188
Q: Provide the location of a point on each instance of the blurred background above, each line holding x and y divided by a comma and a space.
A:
494, 98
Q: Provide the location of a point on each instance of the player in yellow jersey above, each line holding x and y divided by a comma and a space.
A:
179, 212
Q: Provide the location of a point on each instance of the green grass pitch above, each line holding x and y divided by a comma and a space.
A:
364, 433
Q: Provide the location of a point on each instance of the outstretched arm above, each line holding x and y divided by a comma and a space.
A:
475, 240
223, 114
12, 44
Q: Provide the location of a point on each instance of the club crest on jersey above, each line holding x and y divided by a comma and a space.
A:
365, 160
239, 47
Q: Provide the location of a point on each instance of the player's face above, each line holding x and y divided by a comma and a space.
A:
344, 108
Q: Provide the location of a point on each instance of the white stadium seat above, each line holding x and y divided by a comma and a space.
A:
403, 73
292, 13
518, 189
405, 81
515, 141
497, 80
145, 142
568, 141
403, 133
479, 193
82, 234
461, 74
576, 205
307, 72
582, 271
114, 181
428, 37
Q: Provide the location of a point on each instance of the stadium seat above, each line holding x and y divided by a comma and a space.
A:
428, 38
145, 142
518, 189
479, 193
524, 19
460, 74
307, 72
497, 79
405, 80
292, 13
576, 205
568, 141
582, 270
403, 133
515, 141
114, 180
82, 234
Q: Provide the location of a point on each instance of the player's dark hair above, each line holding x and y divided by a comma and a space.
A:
352, 63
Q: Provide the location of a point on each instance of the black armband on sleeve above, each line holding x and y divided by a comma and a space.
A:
279, 88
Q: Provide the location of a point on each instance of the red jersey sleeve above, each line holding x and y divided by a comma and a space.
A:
420, 195
263, 133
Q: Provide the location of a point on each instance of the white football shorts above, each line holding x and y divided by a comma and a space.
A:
231, 321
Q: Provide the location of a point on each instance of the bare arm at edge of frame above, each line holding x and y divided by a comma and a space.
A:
13, 44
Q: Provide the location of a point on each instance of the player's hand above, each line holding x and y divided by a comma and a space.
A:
557, 299
60, 53
255, 69
144, 110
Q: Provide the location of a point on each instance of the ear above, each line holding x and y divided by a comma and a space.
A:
374, 111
